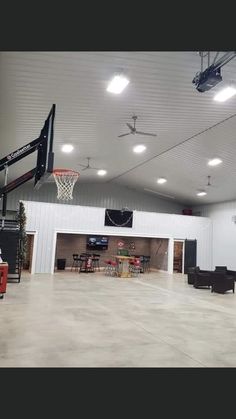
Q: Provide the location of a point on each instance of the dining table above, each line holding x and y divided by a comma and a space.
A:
123, 265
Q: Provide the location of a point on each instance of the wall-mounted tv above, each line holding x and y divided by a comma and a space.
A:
117, 218
97, 243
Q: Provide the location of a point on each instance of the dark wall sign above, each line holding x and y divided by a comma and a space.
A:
117, 218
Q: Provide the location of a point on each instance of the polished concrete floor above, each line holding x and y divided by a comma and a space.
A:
90, 320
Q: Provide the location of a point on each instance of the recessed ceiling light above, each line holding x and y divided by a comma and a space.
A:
117, 84
139, 148
67, 148
102, 172
161, 180
202, 193
225, 94
214, 162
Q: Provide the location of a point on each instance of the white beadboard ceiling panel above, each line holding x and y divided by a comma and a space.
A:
160, 93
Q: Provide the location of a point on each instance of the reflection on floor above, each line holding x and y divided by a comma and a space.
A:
156, 320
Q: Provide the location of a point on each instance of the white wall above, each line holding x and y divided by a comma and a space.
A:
46, 219
223, 232
104, 195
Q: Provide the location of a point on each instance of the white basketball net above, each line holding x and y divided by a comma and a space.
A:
65, 181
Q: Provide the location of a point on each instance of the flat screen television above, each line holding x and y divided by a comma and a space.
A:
97, 243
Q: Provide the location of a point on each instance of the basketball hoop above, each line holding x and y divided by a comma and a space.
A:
65, 180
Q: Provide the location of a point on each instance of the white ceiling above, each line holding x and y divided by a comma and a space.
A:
160, 93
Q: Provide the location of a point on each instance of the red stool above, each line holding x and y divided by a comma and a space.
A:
114, 268
3, 278
136, 267
107, 267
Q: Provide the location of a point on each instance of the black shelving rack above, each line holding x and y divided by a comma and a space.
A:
10, 245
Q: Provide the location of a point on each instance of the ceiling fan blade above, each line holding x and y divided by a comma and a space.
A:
123, 135
146, 133
130, 126
83, 165
92, 168
85, 168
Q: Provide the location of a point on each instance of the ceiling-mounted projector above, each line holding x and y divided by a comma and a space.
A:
207, 79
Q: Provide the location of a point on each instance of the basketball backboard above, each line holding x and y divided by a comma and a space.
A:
45, 159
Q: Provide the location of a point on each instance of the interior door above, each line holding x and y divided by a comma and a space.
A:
190, 254
178, 256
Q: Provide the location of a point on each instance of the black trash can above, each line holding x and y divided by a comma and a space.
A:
61, 264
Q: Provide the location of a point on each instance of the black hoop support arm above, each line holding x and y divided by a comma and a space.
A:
40, 145
20, 153
30, 147
18, 182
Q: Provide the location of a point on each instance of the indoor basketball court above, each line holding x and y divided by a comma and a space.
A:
117, 209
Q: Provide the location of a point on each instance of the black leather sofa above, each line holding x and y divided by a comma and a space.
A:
220, 280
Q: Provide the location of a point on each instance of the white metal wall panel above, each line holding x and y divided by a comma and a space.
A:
97, 195
224, 232
47, 218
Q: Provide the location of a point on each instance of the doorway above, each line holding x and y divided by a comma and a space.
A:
29, 253
178, 262
190, 254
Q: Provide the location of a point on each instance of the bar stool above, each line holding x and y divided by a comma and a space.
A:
135, 267
96, 259
89, 264
142, 263
83, 260
148, 263
113, 270
108, 267
76, 262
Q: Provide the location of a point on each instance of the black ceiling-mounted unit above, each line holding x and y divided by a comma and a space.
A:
204, 80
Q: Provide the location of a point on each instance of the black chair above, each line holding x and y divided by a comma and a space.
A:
76, 262
193, 272
191, 275
224, 269
221, 282
202, 279
96, 259
145, 263
221, 269
148, 263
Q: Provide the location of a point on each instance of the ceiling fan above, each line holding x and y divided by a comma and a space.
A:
134, 131
87, 166
209, 182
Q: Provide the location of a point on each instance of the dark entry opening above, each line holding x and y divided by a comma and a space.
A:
190, 254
